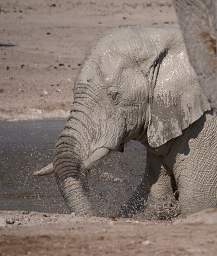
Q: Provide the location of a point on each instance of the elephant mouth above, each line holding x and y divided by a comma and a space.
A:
120, 148
98, 154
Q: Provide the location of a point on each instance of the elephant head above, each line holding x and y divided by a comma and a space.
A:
137, 84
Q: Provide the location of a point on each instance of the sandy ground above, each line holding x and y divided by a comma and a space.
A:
43, 234
42, 46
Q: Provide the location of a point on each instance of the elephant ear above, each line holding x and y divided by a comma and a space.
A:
178, 100
198, 22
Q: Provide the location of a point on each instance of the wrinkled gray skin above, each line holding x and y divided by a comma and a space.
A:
137, 84
198, 22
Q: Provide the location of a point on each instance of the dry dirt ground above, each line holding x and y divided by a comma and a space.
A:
64, 235
42, 46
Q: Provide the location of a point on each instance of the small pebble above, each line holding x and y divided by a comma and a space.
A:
46, 215
146, 242
44, 93
22, 65
26, 212
20, 90
10, 221
72, 214
48, 33
7, 68
58, 90
113, 218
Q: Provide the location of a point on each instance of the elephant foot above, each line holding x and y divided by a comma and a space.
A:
165, 208
160, 209
133, 207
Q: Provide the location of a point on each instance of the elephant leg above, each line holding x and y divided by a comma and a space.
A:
195, 168
198, 190
154, 197
161, 202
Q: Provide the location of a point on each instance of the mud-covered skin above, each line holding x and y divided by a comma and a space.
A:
198, 22
137, 83
193, 160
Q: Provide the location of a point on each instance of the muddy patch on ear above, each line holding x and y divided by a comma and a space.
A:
209, 41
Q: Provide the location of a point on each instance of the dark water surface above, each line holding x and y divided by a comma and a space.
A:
27, 146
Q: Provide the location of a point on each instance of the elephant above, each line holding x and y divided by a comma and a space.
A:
137, 84
198, 22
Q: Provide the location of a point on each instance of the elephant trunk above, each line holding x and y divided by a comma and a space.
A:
71, 149
86, 138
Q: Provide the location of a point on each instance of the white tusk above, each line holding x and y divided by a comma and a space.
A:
45, 170
97, 154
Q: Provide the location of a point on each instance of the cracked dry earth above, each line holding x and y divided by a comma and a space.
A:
23, 233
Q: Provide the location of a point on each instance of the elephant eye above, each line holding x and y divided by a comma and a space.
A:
114, 96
